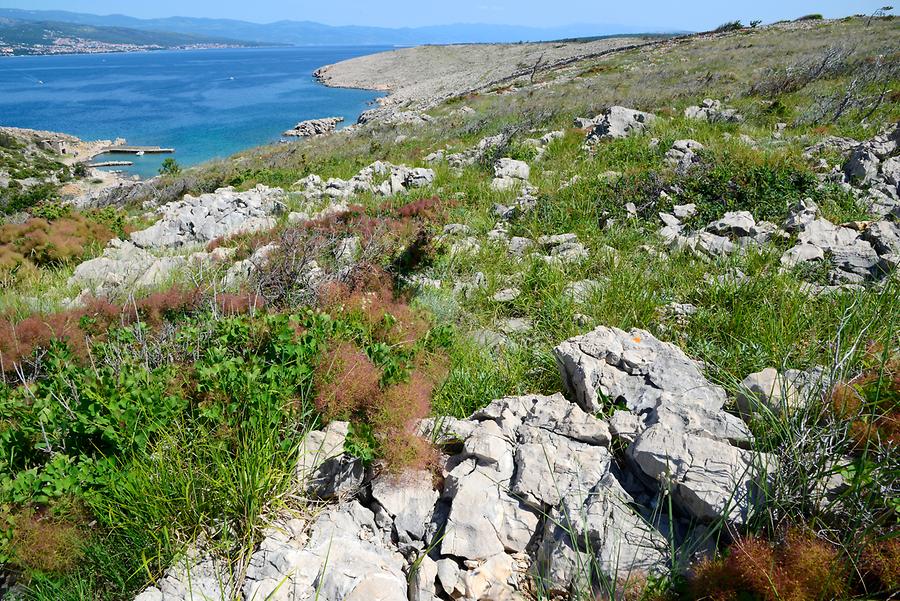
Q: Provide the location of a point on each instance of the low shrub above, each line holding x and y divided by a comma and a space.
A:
729, 26
346, 381
799, 567
870, 403
879, 564
14, 200
24, 341
810, 17
832, 62
42, 242
385, 390
41, 542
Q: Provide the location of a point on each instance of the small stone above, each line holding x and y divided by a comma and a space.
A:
507, 295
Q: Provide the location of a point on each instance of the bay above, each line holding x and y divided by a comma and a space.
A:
203, 103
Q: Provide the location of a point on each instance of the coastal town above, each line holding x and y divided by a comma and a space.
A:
69, 45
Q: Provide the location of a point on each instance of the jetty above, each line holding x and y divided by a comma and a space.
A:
112, 164
137, 150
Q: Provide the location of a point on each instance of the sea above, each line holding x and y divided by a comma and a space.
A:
205, 104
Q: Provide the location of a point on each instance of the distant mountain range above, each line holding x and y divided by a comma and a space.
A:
308, 33
20, 36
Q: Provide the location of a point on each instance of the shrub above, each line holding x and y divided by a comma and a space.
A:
345, 380
729, 26
394, 418
43, 543
783, 80
238, 304
870, 403
22, 200
810, 17
53, 243
170, 167
8, 141
880, 564
800, 567
51, 211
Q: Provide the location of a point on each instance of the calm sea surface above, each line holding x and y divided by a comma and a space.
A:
203, 103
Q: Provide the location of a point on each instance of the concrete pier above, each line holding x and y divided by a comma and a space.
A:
138, 150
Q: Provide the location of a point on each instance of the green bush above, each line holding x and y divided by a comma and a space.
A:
51, 211
729, 26
23, 200
170, 167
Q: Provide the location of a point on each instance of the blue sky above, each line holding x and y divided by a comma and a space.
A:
674, 14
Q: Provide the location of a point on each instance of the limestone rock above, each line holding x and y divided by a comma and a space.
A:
618, 122
709, 479
124, 266
323, 469
341, 559
683, 154
734, 223
767, 390
409, 501
713, 111
202, 219
313, 127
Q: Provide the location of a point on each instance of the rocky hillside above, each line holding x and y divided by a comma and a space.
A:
617, 324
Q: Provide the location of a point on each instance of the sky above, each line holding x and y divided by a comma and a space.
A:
668, 14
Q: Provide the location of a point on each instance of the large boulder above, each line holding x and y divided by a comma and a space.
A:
683, 154
862, 166
509, 173
854, 260
619, 122
768, 391
193, 577
709, 479
679, 433
323, 469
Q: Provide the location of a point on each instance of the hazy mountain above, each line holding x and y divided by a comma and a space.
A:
33, 36
316, 34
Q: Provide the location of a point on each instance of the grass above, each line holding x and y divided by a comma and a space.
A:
216, 404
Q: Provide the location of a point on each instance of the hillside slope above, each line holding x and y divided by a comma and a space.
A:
620, 327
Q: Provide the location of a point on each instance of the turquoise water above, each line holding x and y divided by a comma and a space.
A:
203, 103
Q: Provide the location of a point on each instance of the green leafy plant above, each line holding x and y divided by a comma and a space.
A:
169, 167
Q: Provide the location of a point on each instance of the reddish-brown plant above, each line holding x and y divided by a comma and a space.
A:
239, 304
44, 544
801, 567
880, 565
346, 380
159, 306
43, 243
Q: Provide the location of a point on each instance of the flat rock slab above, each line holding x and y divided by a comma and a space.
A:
198, 220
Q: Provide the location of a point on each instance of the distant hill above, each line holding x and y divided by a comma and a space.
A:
20, 36
308, 33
